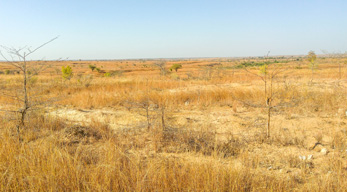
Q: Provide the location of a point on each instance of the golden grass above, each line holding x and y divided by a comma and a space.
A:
213, 138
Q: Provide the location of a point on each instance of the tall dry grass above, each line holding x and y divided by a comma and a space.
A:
58, 155
63, 157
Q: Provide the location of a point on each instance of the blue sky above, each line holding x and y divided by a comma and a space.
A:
173, 28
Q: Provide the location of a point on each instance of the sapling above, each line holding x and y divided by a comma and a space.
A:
311, 57
268, 74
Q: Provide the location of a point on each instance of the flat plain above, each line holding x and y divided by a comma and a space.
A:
215, 124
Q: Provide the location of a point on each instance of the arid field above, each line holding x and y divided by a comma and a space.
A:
215, 124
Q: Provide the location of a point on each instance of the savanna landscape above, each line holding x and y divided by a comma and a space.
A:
271, 123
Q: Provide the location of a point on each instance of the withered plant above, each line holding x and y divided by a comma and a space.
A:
25, 98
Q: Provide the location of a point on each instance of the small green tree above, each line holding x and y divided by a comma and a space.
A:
67, 72
175, 67
311, 57
268, 74
92, 67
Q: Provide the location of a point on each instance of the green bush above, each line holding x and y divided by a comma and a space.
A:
92, 67
175, 67
67, 72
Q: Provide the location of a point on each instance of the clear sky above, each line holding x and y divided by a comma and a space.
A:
122, 29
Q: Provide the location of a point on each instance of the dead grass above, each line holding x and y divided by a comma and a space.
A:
206, 133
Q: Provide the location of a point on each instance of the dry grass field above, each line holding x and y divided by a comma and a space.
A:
126, 127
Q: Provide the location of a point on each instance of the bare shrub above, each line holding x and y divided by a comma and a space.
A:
25, 100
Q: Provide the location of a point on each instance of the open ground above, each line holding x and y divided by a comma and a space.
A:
130, 125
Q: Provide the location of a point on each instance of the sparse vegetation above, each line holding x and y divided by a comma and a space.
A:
85, 80
161, 65
145, 132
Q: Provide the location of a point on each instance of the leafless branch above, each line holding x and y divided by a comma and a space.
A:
26, 100
33, 51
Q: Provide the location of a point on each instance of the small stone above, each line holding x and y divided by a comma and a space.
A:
324, 151
303, 158
186, 103
309, 157
318, 148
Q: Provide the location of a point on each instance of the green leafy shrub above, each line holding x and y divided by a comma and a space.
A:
92, 67
175, 67
67, 72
